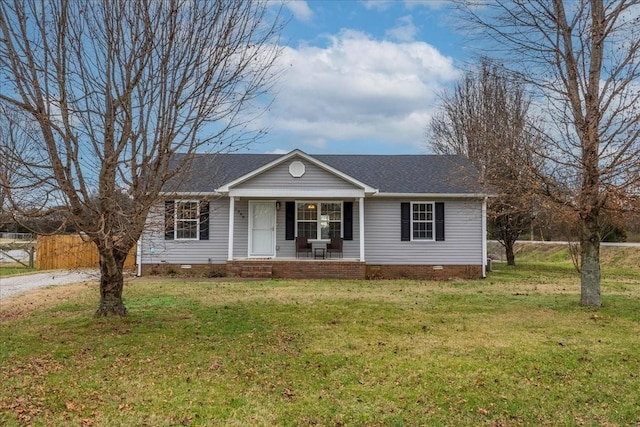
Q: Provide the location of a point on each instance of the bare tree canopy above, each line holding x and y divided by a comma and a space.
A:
486, 117
584, 58
114, 88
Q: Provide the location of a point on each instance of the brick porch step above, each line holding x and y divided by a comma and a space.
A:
260, 271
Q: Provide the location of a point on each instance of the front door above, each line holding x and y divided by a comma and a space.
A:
262, 229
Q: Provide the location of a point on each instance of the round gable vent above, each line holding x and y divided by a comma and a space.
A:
296, 169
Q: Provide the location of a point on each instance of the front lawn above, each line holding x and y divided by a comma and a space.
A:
14, 269
514, 349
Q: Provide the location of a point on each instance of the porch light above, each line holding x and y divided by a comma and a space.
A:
277, 206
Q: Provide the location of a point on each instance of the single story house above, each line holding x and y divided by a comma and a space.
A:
320, 216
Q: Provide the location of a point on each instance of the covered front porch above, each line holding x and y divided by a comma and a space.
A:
265, 228
295, 196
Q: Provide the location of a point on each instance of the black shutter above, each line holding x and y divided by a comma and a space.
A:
290, 220
169, 219
348, 220
405, 221
439, 221
204, 220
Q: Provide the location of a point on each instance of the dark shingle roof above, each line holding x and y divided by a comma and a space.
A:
409, 173
435, 174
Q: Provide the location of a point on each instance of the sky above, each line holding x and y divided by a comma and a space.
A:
361, 77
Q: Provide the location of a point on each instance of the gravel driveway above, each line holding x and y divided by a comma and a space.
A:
17, 284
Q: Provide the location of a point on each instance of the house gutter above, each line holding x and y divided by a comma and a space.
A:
190, 194
433, 195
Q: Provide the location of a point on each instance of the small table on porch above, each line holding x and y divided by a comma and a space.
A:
319, 247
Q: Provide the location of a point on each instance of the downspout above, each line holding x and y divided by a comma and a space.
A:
484, 237
139, 256
361, 226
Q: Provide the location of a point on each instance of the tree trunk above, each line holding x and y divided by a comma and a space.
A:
590, 265
508, 250
111, 283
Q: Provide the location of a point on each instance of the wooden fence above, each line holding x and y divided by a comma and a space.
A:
70, 251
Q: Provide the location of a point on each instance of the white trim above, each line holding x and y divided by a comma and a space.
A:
252, 203
300, 193
232, 210
361, 226
297, 153
318, 219
433, 221
355, 193
178, 194
483, 228
139, 256
434, 195
175, 219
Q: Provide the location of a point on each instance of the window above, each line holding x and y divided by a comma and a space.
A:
319, 220
186, 220
330, 220
422, 221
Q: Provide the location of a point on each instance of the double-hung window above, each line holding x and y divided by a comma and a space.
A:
422, 221
186, 220
319, 220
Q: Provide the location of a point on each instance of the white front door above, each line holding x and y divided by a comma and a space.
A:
262, 229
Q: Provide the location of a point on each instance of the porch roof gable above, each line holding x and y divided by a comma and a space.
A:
362, 187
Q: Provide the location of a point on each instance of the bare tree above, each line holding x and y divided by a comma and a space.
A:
5, 171
15, 143
584, 57
116, 88
485, 117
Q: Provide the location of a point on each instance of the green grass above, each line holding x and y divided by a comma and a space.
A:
14, 270
514, 349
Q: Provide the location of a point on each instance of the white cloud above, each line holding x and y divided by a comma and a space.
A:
432, 4
277, 151
358, 88
379, 5
383, 5
300, 10
405, 31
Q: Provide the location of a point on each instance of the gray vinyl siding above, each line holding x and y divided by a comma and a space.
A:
314, 178
156, 250
463, 234
241, 229
462, 245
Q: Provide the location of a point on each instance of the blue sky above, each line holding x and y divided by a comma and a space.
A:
361, 76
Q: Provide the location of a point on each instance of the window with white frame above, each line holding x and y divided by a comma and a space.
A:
187, 220
319, 220
422, 221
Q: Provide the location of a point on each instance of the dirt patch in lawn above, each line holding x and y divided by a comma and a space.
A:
22, 304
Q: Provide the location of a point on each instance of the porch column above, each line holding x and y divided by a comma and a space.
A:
361, 223
232, 209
